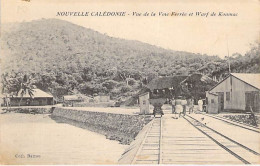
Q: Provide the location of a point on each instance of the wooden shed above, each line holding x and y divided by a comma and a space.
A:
166, 87
144, 103
39, 98
193, 85
238, 92
69, 100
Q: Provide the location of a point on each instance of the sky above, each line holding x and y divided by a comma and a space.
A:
198, 34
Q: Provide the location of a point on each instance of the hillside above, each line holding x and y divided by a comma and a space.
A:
61, 57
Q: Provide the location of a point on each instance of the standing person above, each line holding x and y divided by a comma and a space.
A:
191, 105
174, 108
28, 102
7, 102
173, 105
200, 104
184, 105
4, 100
178, 106
188, 104
204, 108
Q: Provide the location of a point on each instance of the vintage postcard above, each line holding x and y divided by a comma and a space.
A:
130, 82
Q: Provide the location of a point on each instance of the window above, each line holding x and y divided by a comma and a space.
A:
227, 96
212, 100
144, 102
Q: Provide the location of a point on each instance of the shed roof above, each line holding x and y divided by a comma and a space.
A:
37, 93
252, 79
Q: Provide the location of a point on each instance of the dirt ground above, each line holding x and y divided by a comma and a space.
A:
37, 139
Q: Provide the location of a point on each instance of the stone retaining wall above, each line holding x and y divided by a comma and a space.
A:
121, 127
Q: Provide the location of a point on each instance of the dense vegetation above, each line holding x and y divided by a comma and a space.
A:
64, 58
249, 63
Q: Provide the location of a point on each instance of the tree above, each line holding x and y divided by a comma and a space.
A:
26, 86
109, 84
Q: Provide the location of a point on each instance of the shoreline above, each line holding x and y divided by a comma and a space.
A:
49, 142
121, 127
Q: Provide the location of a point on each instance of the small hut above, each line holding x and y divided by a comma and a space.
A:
69, 100
166, 87
102, 98
163, 89
144, 103
238, 92
39, 98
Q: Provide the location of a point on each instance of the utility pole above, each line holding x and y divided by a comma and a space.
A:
229, 70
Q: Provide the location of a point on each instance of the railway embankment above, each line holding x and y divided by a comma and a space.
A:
121, 127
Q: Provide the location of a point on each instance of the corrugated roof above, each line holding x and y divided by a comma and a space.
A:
250, 78
37, 93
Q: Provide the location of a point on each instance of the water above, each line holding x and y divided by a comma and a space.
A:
37, 139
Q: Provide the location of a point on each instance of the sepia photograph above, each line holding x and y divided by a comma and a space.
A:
130, 82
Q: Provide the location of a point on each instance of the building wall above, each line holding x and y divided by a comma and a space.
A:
144, 104
237, 90
212, 103
34, 102
101, 99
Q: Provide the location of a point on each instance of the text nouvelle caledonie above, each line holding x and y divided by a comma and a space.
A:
122, 14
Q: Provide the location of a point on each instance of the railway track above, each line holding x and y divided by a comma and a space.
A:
241, 152
150, 150
235, 123
192, 143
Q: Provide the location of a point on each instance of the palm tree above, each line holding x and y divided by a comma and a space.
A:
26, 87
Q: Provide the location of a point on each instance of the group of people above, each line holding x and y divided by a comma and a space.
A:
181, 105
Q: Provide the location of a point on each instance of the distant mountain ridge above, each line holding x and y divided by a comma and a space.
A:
53, 37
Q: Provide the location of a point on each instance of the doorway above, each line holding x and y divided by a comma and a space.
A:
252, 101
220, 101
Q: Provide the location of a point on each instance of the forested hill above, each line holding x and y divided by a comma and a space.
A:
63, 58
